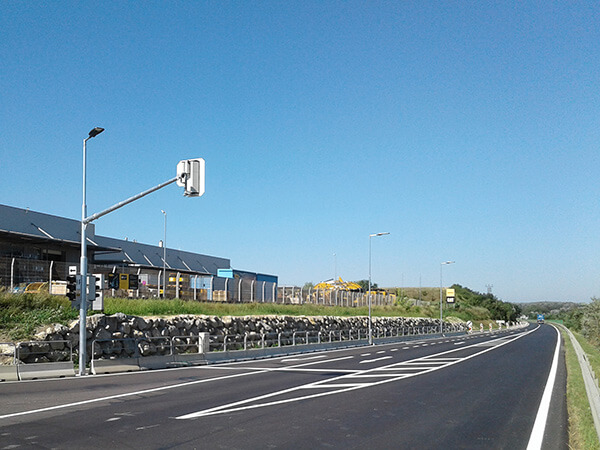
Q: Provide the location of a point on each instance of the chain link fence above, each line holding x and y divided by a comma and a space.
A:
19, 275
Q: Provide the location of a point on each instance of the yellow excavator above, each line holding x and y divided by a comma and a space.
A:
339, 285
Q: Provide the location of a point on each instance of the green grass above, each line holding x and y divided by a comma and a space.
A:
23, 314
582, 433
146, 307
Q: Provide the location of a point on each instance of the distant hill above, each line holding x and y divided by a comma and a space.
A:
548, 308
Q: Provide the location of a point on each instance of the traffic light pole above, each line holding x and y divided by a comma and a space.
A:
83, 260
190, 174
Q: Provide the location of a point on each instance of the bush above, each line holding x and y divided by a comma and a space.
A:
590, 322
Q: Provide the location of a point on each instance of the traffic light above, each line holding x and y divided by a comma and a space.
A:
190, 174
96, 294
99, 286
91, 289
73, 290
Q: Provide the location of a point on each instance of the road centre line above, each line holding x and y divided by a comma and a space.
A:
243, 405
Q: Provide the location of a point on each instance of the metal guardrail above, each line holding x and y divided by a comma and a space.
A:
31, 360
168, 346
39, 359
589, 378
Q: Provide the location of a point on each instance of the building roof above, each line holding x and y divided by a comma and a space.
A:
135, 253
23, 224
37, 226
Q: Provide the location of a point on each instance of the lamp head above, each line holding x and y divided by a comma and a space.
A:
378, 234
95, 132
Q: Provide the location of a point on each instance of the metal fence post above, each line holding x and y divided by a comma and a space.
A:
195, 284
12, 275
50, 277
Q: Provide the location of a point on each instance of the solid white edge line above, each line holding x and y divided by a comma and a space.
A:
539, 426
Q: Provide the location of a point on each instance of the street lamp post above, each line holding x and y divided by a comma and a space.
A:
441, 311
165, 256
370, 321
83, 264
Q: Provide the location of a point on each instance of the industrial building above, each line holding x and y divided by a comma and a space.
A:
38, 247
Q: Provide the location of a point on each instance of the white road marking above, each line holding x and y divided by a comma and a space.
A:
223, 408
323, 361
382, 351
539, 426
380, 375
152, 390
303, 359
376, 359
288, 369
250, 403
147, 427
125, 395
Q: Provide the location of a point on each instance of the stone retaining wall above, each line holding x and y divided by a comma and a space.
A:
116, 334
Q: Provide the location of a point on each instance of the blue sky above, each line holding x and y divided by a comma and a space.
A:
468, 130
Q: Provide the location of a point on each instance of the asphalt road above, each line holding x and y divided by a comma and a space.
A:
478, 391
